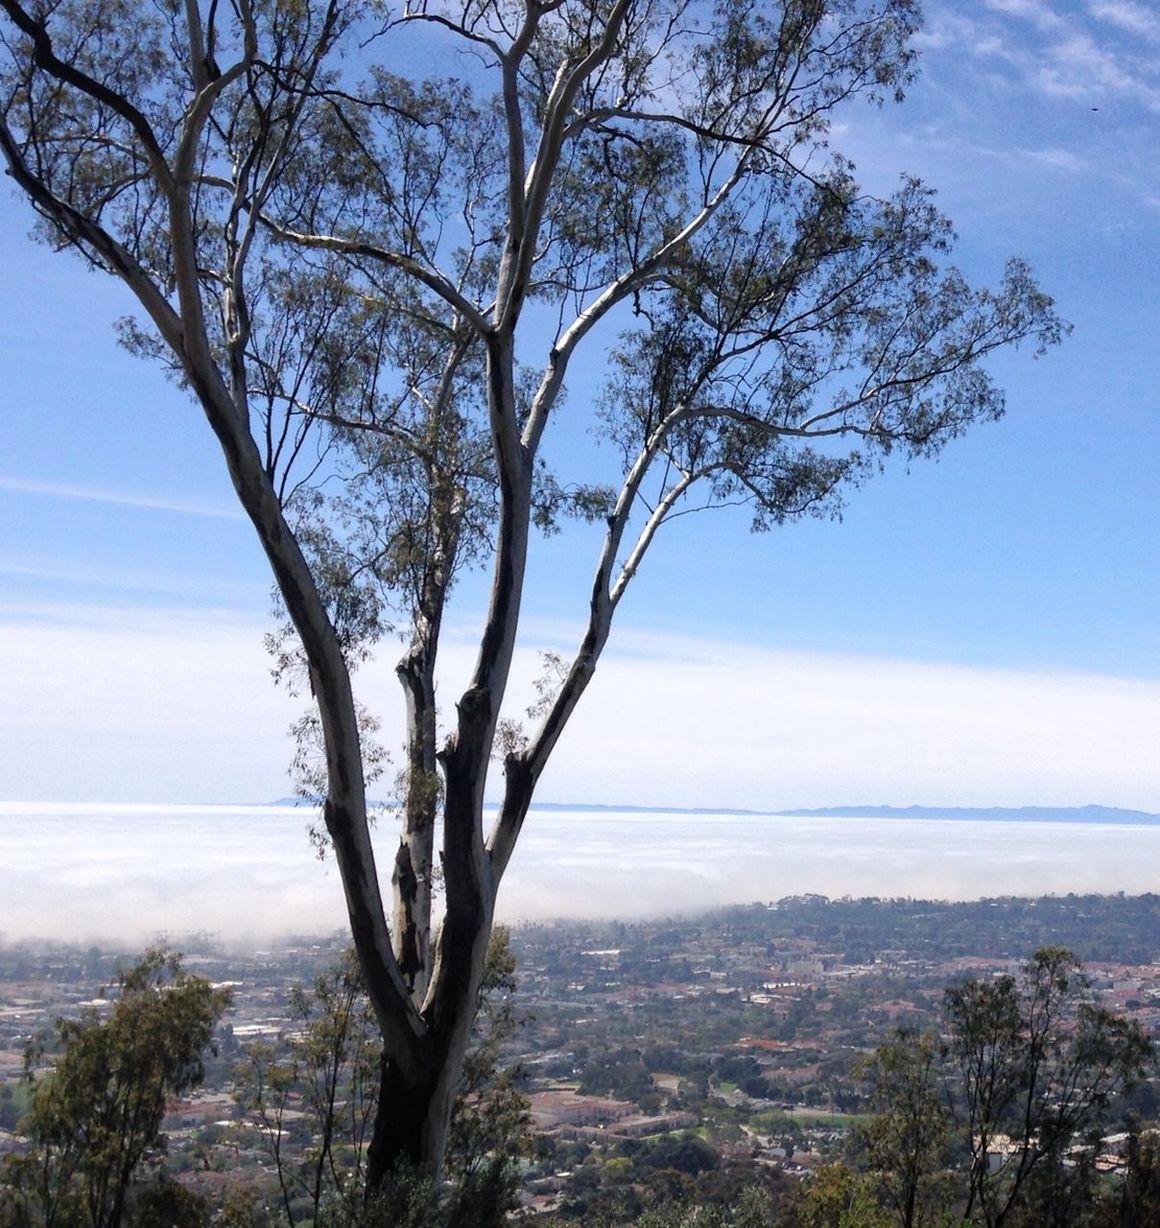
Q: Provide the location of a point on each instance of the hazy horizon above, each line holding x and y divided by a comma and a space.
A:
248, 874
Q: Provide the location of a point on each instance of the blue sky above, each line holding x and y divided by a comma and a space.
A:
981, 630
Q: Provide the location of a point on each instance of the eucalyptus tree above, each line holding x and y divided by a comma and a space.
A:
375, 285
326, 1066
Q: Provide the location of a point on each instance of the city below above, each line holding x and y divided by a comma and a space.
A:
690, 1057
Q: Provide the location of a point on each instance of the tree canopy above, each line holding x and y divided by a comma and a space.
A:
376, 283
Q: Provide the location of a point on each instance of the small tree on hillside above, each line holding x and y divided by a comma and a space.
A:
997, 1124
94, 1119
906, 1143
1038, 1061
375, 286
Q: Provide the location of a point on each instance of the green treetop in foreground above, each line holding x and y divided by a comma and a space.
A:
94, 1119
999, 1124
375, 286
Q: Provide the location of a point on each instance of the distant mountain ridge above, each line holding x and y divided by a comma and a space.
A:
978, 814
985, 814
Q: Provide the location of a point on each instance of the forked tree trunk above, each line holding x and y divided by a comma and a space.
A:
416, 1095
418, 1087
412, 1120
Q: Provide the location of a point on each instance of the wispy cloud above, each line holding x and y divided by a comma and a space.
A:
1075, 87
711, 721
1053, 156
139, 703
107, 578
1128, 16
92, 494
1078, 66
1038, 12
1065, 56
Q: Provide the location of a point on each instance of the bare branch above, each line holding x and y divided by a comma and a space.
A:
395, 260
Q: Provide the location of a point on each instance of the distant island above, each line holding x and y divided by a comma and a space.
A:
977, 814
985, 814
993, 814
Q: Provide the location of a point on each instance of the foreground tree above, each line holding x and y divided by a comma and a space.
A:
1027, 1076
1038, 1062
315, 1095
906, 1142
94, 1119
325, 1073
837, 1196
1000, 1124
1136, 1203
341, 265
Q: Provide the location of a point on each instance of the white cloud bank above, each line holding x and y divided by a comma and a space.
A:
86, 873
170, 706
722, 724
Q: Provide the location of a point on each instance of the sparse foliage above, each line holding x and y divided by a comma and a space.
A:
1000, 1124
838, 1196
1038, 1061
906, 1143
327, 1073
314, 1096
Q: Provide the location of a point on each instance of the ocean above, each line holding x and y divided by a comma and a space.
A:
248, 874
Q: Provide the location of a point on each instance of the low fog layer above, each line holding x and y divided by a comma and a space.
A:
249, 874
